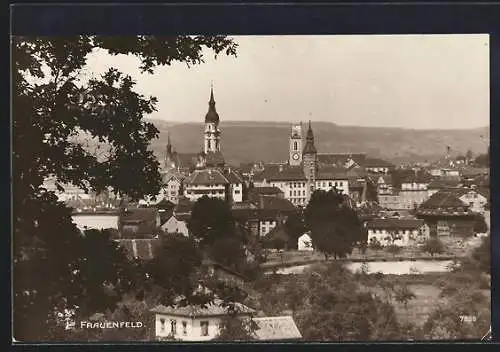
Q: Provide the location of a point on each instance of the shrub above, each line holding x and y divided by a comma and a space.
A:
433, 246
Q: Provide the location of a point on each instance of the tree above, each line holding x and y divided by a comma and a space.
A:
229, 252
335, 228
234, 328
375, 245
89, 133
433, 246
294, 228
211, 219
480, 225
393, 249
482, 255
404, 295
174, 266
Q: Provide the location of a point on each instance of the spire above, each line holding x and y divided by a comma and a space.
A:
309, 147
211, 115
169, 145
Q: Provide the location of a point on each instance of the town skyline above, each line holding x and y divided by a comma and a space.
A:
437, 81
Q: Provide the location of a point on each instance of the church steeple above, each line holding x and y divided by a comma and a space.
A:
309, 147
169, 144
212, 115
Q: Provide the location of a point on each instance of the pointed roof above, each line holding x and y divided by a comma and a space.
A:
309, 147
212, 115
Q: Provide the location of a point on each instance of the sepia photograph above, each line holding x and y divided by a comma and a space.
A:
284, 188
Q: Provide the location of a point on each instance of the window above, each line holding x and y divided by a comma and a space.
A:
184, 328
204, 328
295, 146
303, 192
290, 193
329, 184
209, 144
236, 191
336, 184
162, 324
303, 184
173, 327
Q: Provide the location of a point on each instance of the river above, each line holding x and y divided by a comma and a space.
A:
388, 268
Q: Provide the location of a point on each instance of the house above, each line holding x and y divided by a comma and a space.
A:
476, 199
447, 215
172, 185
384, 185
99, 220
444, 172
255, 192
440, 184
304, 243
222, 273
377, 166
143, 249
176, 224
209, 182
344, 160
401, 232
273, 211
194, 323
276, 329
136, 223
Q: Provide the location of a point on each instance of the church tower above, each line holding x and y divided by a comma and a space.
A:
212, 132
295, 146
169, 155
310, 163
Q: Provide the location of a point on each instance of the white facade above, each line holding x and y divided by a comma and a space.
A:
304, 243
95, 221
195, 192
413, 186
186, 328
237, 192
265, 226
378, 169
171, 190
403, 237
475, 201
342, 185
174, 225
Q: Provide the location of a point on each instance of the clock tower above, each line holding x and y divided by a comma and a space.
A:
295, 147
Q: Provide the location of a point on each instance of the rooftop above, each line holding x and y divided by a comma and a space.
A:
276, 328
394, 223
212, 309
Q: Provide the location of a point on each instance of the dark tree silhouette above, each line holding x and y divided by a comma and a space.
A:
87, 133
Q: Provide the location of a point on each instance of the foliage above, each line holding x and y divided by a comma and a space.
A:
335, 228
174, 266
87, 132
393, 249
229, 252
211, 219
404, 295
433, 246
375, 245
480, 225
233, 328
482, 255
294, 228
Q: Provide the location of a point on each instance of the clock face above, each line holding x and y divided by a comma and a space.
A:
295, 156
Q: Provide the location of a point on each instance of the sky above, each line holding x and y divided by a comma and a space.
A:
409, 81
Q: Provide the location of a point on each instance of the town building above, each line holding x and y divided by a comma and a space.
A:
447, 216
400, 232
99, 220
194, 323
139, 223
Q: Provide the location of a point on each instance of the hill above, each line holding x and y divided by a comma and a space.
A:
268, 141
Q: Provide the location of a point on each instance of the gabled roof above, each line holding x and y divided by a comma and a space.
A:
376, 162
266, 191
332, 173
341, 159
213, 309
268, 171
443, 183
391, 223
276, 203
171, 174
218, 266
233, 176
185, 160
207, 177
288, 173
276, 328
143, 218
443, 200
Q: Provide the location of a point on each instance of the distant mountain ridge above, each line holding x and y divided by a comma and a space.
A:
246, 141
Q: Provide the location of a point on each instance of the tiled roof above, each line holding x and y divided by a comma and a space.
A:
143, 218
169, 174
485, 192
139, 248
184, 206
246, 168
443, 199
266, 190
443, 184
165, 204
276, 328
332, 173
375, 162
207, 177
185, 160
268, 171
288, 173
340, 159
472, 171
394, 224
276, 203
210, 310
419, 177
233, 176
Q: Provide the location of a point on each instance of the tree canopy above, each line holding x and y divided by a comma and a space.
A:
88, 132
335, 227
